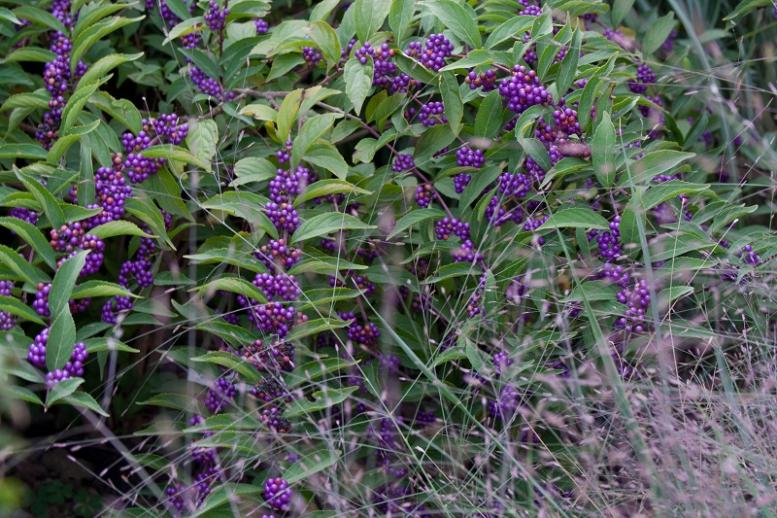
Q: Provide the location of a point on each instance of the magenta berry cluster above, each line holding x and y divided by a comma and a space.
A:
433, 52
523, 89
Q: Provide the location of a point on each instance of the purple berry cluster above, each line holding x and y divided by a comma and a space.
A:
215, 16
485, 80
287, 184
523, 89
636, 297
435, 50
220, 394
166, 129
645, 77
261, 26
432, 114
608, 241
312, 56
403, 162
276, 254
277, 494
36, 355
7, 320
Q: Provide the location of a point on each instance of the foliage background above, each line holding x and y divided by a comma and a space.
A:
494, 378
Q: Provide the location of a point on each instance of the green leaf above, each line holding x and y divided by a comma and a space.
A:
122, 110
233, 285
369, 16
202, 139
84, 400
536, 151
94, 33
76, 104
358, 81
662, 192
603, 151
577, 217
321, 10
513, 27
99, 289
44, 197
64, 282
620, 9
459, 17
62, 390
260, 112
172, 152
148, 213
37, 100
414, 217
399, 18
311, 464
658, 162
281, 65
35, 54
22, 152
327, 187
287, 113
323, 399
313, 129
100, 69
233, 362
20, 266
454, 108
24, 394
568, 69
488, 120
118, 228
17, 307
183, 28
325, 155
327, 223
314, 327
33, 237
326, 39
657, 33
40, 17
7, 15
64, 142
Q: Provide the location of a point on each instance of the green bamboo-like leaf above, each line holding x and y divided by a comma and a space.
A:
232, 362
415, 217
16, 307
287, 113
69, 138
94, 288
311, 464
324, 224
325, 155
657, 33
178, 153
62, 390
358, 81
33, 237
39, 17
326, 39
323, 400
84, 400
37, 100
22, 152
369, 16
51, 207
118, 228
459, 17
94, 33
313, 129
234, 285
76, 104
121, 110
327, 187
104, 65
577, 217
603, 151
